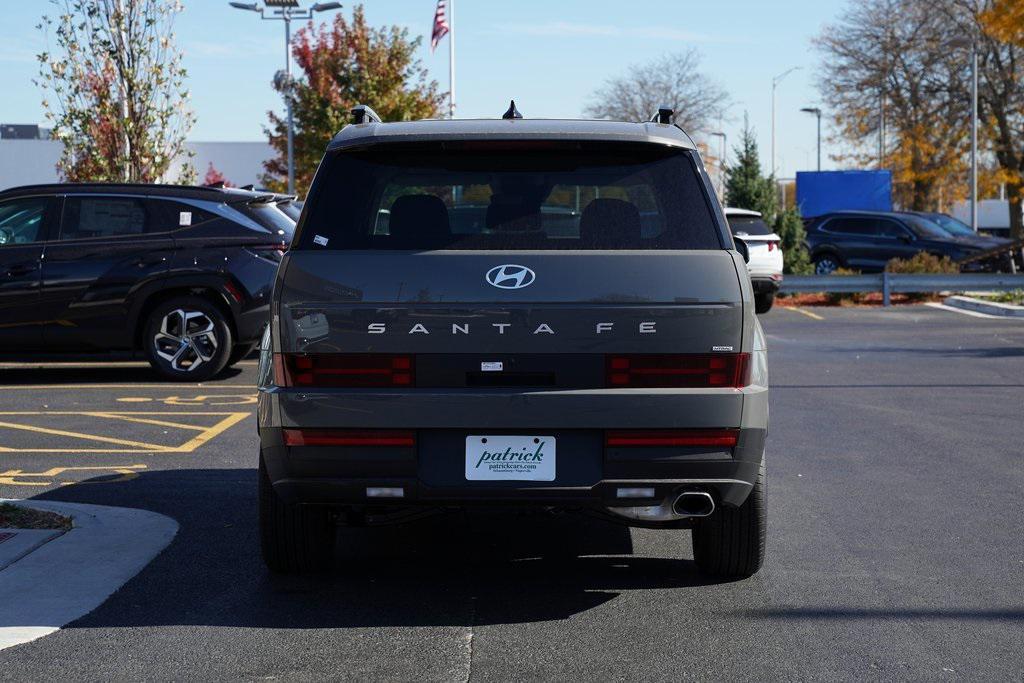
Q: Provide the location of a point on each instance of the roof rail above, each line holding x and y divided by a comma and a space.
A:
664, 114
362, 113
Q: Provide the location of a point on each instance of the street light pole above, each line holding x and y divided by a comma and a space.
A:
817, 112
974, 136
286, 10
288, 98
775, 82
721, 165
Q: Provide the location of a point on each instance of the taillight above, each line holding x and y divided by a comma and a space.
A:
678, 370
772, 246
349, 437
725, 438
343, 370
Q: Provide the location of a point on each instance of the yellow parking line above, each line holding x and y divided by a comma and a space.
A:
79, 435
14, 387
141, 420
220, 427
226, 421
805, 312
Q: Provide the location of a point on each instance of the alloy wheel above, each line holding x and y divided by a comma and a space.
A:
825, 266
186, 339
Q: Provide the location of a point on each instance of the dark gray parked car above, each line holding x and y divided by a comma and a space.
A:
589, 344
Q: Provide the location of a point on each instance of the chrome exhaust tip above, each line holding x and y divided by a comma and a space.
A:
693, 504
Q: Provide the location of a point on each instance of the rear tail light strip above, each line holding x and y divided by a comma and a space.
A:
721, 438
344, 370
349, 437
678, 370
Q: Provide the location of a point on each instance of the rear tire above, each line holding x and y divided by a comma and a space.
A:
826, 264
294, 539
240, 352
187, 339
763, 302
731, 542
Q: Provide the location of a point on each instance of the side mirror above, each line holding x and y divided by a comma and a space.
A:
905, 238
741, 247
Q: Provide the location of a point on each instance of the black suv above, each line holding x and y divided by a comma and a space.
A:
866, 240
181, 274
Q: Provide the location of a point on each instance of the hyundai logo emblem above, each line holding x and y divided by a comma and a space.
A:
510, 276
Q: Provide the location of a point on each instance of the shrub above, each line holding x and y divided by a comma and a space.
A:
922, 263
795, 259
836, 298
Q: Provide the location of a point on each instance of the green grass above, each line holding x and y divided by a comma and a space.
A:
17, 517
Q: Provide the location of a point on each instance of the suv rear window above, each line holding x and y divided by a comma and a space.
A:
496, 197
748, 225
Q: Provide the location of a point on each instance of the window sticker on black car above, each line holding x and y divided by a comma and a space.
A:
320, 239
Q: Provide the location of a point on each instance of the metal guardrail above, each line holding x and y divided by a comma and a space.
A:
887, 283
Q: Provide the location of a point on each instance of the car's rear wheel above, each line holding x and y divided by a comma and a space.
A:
294, 539
763, 302
240, 352
731, 542
826, 264
187, 339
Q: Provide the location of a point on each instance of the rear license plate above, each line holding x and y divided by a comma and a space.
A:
510, 458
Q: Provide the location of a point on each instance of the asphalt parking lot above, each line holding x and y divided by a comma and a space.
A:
896, 503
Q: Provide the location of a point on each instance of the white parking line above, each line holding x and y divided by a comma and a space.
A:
944, 307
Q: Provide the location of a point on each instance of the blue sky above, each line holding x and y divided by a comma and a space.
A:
550, 55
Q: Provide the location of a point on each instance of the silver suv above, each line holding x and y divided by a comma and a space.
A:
535, 313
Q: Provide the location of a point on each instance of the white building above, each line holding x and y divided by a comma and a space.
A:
28, 161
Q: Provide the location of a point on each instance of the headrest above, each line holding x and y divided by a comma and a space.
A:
610, 224
419, 221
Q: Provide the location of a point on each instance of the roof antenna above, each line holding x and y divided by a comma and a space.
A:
512, 112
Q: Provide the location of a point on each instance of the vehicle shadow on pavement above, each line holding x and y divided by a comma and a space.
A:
453, 570
97, 374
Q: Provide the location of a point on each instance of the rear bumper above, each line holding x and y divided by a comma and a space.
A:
766, 284
588, 474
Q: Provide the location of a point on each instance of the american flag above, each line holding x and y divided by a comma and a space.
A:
440, 24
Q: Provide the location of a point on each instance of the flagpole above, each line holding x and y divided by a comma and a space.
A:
451, 59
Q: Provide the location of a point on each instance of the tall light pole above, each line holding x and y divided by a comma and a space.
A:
286, 11
775, 83
721, 164
817, 112
973, 46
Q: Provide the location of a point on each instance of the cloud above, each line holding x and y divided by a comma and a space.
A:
566, 29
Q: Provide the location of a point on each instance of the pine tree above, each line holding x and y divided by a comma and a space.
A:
745, 186
795, 259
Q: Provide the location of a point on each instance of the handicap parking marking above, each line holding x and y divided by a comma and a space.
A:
201, 400
19, 477
16, 422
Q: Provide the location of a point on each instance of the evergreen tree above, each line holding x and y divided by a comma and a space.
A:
795, 259
745, 186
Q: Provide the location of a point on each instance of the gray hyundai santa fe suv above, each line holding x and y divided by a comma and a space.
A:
548, 314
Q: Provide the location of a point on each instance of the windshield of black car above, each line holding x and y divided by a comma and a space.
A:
951, 225
923, 227
748, 225
510, 196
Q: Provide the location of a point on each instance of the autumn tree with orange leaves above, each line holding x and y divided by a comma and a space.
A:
343, 64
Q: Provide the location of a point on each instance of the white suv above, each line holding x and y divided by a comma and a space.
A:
765, 247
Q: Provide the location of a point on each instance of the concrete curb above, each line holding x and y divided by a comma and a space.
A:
23, 541
73, 574
968, 303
